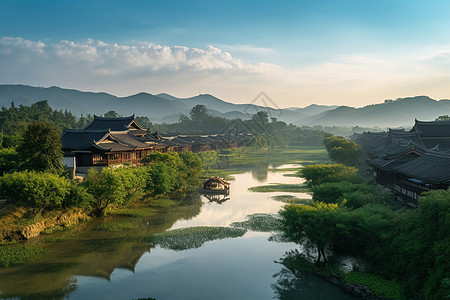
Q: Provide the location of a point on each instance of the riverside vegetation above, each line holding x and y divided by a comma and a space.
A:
405, 251
41, 196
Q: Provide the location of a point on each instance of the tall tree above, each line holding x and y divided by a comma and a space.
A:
311, 225
261, 117
198, 112
443, 118
40, 149
342, 151
106, 188
112, 114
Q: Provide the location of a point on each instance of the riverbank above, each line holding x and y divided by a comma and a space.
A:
90, 262
359, 284
17, 223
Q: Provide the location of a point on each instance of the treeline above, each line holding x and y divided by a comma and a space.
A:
41, 191
14, 120
200, 121
269, 132
350, 216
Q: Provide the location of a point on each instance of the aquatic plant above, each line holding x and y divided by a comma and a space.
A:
260, 222
62, 236
162, 202
278, 187
118, 225
133, 212
380, 286
16, 254
193, 237
291, 199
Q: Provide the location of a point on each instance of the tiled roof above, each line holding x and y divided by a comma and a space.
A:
114, 124
420, 153
432, 129
81, 139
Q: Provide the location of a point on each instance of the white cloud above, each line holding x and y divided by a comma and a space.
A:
124, 69
97, 54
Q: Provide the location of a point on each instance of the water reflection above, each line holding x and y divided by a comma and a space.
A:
95, 253
120, 265
259, 171
217, 198
299, 286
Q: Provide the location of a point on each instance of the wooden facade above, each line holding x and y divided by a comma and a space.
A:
118, 141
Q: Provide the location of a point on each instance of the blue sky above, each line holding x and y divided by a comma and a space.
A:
299, 52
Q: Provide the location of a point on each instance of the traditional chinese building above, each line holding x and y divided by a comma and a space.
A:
410, 162
117, 141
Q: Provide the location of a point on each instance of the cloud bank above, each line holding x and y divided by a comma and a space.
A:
94, 65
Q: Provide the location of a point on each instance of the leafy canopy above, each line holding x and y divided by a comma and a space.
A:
40, 149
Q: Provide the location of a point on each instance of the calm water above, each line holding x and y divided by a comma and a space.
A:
118, 265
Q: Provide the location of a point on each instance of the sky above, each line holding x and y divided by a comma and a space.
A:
343, 52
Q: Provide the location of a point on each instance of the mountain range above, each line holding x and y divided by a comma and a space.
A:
167, 108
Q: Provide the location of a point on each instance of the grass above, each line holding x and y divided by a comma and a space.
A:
16, 254
27, 220
62, 236
162, 202
133, 212
380, 286
118, 225
289, 199
57, 229
193, 237
260, 222
278, 187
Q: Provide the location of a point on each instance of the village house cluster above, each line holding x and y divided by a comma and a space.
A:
410, 162
116, 141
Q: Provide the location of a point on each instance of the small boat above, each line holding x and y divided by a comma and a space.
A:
216, 185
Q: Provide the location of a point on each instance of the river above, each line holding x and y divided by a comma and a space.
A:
93, 264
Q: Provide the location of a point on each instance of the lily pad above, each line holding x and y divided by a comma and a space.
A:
291, 199
260, 222
193, 237
278, 187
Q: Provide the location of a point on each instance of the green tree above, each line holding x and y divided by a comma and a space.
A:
144, 122
355, 194
133, 180
161, 178
40, 149
78, 196
191, 168
9, 160
112, 114
106, 188
198, 112
321, 173
443, 118
342, 151
261, 117
313, 225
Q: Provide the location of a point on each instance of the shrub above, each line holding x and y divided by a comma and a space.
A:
35, 190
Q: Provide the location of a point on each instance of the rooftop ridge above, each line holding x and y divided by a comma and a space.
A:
114, 118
